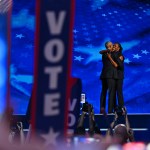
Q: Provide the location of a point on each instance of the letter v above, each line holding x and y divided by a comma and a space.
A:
55, 26
73, 104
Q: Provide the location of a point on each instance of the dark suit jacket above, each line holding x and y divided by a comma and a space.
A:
108, 70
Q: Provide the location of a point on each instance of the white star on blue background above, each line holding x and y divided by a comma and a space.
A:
144, 52
119, 25
50, 138
19, 36
136, 56
79, 58
127, 60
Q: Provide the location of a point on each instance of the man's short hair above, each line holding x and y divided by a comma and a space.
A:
107, 43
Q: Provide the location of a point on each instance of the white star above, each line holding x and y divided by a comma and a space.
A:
127, 61
119, 25
109, 13
19, 36
50, 138
93, 53
79, 58
76, 49
104, 15
115, 11
75, 31
136, 56
140, 17
136, 14
144, 52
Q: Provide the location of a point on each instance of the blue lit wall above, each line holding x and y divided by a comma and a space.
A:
124, 21
22, 54
3, 60
96, 21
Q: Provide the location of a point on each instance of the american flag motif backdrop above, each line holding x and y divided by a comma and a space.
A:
96, 21
124, 21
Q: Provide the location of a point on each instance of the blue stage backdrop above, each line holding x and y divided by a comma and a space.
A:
96, 21
3, 58
22, 54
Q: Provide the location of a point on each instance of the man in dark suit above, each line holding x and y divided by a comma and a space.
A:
108, 76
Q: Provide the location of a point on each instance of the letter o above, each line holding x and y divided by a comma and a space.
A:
48, 50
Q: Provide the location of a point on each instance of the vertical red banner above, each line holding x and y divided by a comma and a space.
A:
53, 61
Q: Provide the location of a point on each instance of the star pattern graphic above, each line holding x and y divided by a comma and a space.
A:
79, 58
127, 61
20, 36
50, 137
75, 31
136, 56
95, 22
144, 52
119, 25
104, 15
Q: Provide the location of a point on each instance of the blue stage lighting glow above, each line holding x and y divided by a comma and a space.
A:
96, 21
